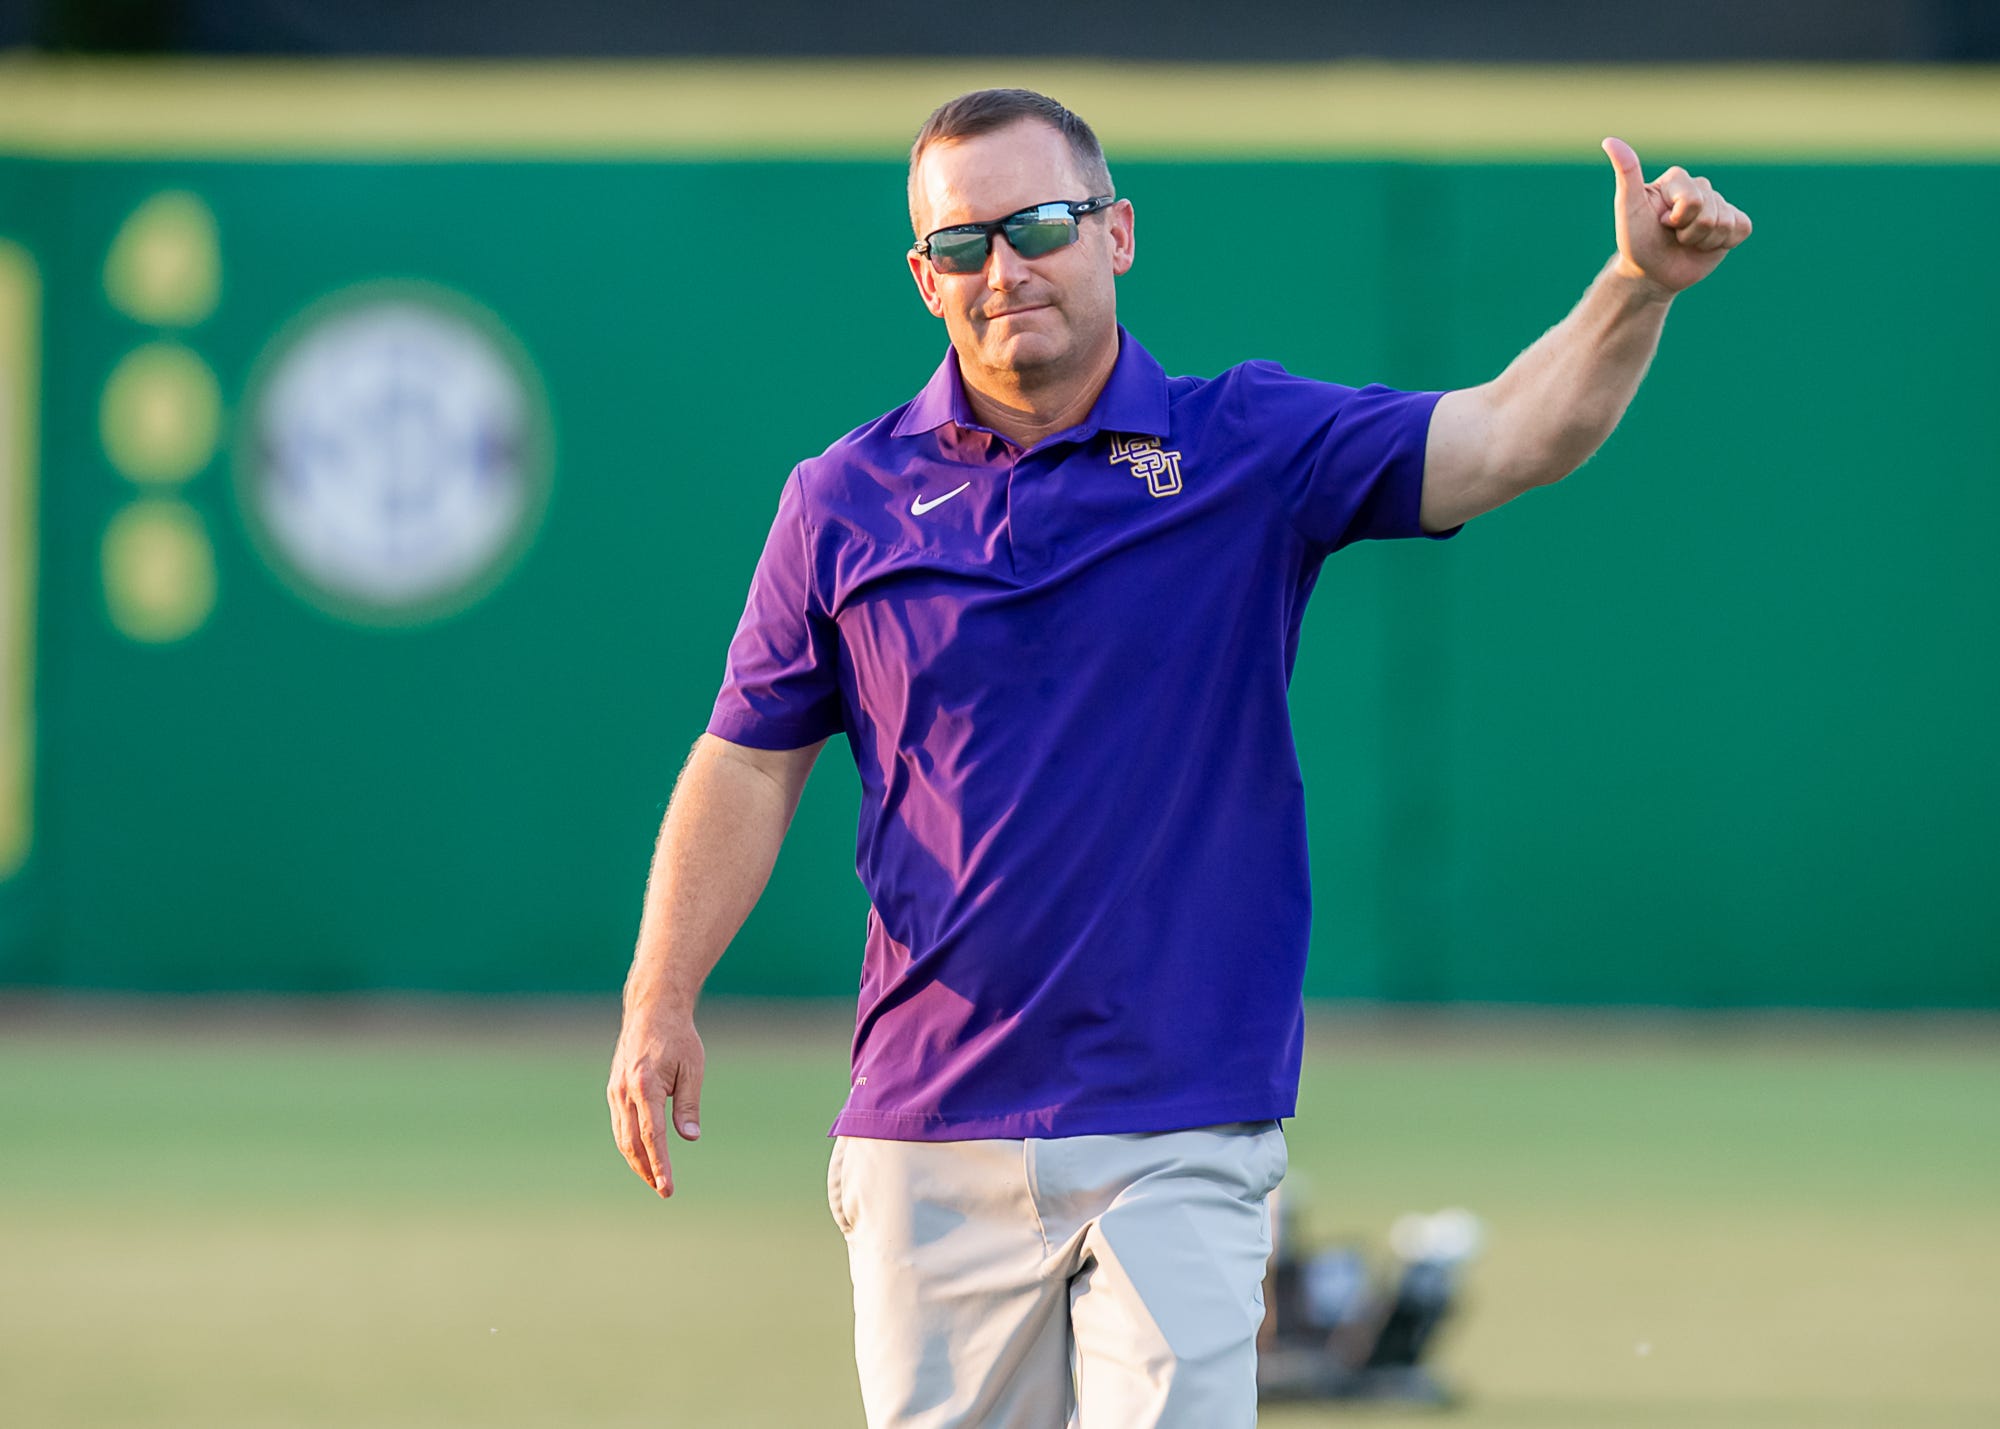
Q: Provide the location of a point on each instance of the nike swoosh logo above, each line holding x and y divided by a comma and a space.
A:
919, 506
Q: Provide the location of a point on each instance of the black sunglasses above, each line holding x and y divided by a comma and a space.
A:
1032, 232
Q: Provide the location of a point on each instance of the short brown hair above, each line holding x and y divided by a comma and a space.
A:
985, 110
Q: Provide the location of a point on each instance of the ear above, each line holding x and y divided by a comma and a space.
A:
1120, 220
926, 279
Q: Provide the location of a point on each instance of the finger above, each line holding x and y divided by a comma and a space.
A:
1682, 195
1732, 225
1722, 228
687, 1101
1625, 162
1670, 188
1712, 218
624, 1133
1631, 178
1697, 231
625, 1113
653, 1138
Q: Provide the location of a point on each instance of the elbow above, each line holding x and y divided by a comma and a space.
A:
1521, 455
1546, 462
1557, 468
1518, 472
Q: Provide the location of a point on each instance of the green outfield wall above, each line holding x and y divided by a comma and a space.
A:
381, 474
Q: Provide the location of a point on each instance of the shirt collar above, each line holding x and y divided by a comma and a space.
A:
1134, 399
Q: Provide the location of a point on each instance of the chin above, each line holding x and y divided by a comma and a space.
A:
1026, 352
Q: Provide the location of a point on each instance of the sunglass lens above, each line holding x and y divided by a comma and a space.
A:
1033, 237
958, 252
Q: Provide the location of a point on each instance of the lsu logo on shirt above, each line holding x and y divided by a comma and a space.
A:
1161, 469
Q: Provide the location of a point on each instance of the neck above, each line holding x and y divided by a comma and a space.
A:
1025, 411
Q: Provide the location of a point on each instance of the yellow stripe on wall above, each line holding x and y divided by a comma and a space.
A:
20, 361
751, 108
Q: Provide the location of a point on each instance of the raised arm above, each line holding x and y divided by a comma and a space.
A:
1556, 403
729, 813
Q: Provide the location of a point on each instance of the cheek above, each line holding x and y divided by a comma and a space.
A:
956, 295
1091, 293
958, 322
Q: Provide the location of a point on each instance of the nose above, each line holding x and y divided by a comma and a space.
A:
1005, 268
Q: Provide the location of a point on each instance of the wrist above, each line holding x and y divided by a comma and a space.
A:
653, 994
1632, 282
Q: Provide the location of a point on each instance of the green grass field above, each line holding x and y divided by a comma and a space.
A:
266, 1218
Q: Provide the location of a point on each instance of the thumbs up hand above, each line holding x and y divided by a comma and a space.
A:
1672, 232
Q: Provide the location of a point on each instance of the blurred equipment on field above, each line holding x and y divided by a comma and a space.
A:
1337, 1327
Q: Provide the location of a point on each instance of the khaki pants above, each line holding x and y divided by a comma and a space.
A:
1106, 1282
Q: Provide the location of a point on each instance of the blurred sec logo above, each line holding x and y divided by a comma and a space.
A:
395, 451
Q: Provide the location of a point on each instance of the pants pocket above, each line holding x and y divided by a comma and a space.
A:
1269, 1161
836, 1188
1280, 1158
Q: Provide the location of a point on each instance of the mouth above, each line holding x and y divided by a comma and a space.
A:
1017, 312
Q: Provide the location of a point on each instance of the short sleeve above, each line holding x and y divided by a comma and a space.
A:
1352, 459
781, 689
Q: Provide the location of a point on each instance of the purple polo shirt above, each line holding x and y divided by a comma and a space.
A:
1062, 675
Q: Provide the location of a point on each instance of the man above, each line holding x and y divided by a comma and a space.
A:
1053, 603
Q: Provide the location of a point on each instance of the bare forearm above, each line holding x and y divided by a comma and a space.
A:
1554, 405
728, 815
716, 848
1557, 402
